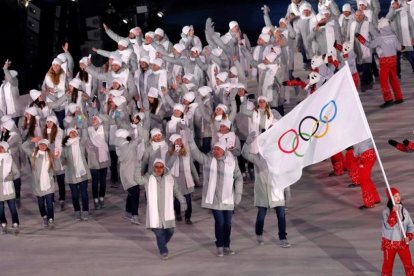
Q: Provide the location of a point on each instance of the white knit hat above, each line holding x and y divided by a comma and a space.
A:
13, 73
117, 61
196, 49
72, 107
233, 24
320, 16
186, 29
76, 83
145, 59
119, 100
34, 94
150, 34
31, 110
123, 42
159, 32
179, 47
226, 123
221, 145
190, 86
69, 130
265, 37
222, 76
84, 60
53, 119
153, 92
222, 107
346, 7
363, 2
157, 61
266, 30
9, 125
155, 131
116, 93
158, 160
44, 142
234, 71
190, 96
262, 98
179, 107
135, 31
383, 22
305, 6
174, 137
204, 90
57, 61
283, 20
188, 76
5, 145
122, 133
119, 81
140, 115
217, 52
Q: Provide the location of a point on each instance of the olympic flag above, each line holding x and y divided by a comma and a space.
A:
325, 123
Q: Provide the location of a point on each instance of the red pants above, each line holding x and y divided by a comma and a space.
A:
405, 256
355, 76
388, 72
369, 192
338, 163
351, 164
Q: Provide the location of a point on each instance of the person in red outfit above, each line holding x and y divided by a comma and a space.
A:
351, 165
405, 146
393, 241
365, 153
337, 164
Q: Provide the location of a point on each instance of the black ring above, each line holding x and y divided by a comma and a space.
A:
313, 133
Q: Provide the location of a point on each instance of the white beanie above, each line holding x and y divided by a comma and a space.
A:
221, 145
204, 90
155, 131
118, 81
31, 110
271, 57
9, 125
324, 10
13, 73
234, 71
140, 115
174, 137
145, 59
52, 119
217, 52
123, 42
266, 30
179, 47
186, 29
222, 107
69, 130
34, 94
363, 2
44, 142
119, 100
117, 61
115, 55
233, 24
116, 93
222, 76
76, 83
72, 107
157, 61
122, 133
158, 160
62, 57
196, 49
5, 145
190, 96
240, 86
159, 32
282, 20
150, 34
134, 31
226, 123
179, 107
190, 86
346, 7
265, 37
262, 98
320, 16
84, 60
153, 92
57, 61
305, 6
383, 22
188, 76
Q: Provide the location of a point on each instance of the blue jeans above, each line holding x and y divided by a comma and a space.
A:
13, 210
81, 188
281, 221
46, 206
222, 227
177, 206
163, 237
99, 182
132, 201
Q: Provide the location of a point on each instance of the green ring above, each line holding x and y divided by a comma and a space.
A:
294, 140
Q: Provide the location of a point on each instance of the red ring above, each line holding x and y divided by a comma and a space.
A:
296, 145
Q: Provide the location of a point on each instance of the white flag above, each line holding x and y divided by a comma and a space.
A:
325, 123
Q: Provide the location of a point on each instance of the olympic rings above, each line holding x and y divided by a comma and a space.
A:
324, 118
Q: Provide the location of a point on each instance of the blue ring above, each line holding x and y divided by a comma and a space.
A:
323, 108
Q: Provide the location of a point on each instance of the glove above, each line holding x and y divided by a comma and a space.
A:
117, 114
251, 137
337, 46
393, 142
406, 142
237, 199
285, 83
360, 38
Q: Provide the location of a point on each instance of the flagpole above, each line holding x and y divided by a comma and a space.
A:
365, 121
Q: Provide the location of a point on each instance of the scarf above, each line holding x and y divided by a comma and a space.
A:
162, 78
153, 205
123, 75
60, 89
175, 170
330, 38
44, 181
227, 192
97, 137
190, 113
172, 124
269, 72
7, 161
125, 55
7, 104
77, 157
364, 31
162, 146
229, 139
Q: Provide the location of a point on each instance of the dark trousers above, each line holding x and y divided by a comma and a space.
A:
242, 162
409, 55
61, 184
13, 211
132, 200
82, 189
46, 206
114, 166
280, 109
17, 187
222, 227
365, 73
206, 146
177, 206
281, 221
16, 120
60, 115
99, 182
163, 237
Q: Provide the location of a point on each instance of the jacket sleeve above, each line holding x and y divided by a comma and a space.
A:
238, 179
114, 36
253, 158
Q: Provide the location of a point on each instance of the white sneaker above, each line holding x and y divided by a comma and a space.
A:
228, 251
51, 224
16, 228
220, 252
135, 220
259, 239
284, 244
3, 228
